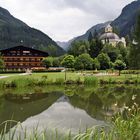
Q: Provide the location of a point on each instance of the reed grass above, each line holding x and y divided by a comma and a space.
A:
125, 126
91, 80
72, 79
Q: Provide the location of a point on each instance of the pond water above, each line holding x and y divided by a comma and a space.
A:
66, 108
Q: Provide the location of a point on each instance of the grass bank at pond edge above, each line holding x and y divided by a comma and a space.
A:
59, 79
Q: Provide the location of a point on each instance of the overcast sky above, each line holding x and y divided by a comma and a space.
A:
64, 19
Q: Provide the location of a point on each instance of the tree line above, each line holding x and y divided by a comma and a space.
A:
93, 54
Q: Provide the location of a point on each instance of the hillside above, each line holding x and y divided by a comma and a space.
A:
126, 21
15, 32
65, 45
98, 28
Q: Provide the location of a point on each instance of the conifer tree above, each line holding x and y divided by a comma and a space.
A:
134, 56
90, 37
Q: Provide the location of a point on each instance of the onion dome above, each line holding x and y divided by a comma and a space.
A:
109, 36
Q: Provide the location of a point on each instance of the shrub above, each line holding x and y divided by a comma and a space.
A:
44, 77
79, 81
70, 82
90, 80
59, 81
10, 84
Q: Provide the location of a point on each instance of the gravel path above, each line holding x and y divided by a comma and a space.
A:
22, 74
2, 77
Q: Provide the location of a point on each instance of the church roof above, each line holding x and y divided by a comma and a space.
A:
108, 26
109, 36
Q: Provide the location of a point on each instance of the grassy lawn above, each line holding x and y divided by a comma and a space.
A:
50, 76
121, 77
69, 76
56, 75
58, 78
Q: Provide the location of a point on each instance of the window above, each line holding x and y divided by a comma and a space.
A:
26, 52
15, 64
38, 59
26, 64
21, 64
9, 64
32, 59
36, 54
11, 59
12, 51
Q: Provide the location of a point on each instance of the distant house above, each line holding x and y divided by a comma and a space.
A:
22, 58
111, 38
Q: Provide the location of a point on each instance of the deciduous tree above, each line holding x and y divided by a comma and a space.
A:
84, 61
119, 65
68, 61
104, 61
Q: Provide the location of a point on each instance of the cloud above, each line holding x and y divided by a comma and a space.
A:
64, 19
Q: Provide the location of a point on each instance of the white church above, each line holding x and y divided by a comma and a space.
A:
111, 38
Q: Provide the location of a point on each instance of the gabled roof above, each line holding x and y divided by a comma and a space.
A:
29, 48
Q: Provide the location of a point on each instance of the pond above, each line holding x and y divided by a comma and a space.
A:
67, 108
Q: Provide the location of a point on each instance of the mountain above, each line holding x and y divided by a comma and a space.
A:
65, 45
14, 32
125, 23
97, 28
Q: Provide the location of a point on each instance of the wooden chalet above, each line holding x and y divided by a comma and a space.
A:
22, 58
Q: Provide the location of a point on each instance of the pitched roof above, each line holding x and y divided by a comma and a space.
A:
21, 46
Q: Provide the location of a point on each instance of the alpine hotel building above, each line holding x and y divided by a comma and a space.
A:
23, 58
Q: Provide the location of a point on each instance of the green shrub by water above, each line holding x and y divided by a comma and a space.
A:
59, 81
130, 72
91, 80
125, 126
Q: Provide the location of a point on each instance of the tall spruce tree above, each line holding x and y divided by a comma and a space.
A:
134, 55
90, 37
95, 47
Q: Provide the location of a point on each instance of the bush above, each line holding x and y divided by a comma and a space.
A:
130, 72
70, 82
44, 77
59, 81
10, 84
90, 80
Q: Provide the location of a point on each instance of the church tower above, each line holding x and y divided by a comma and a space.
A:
108, 29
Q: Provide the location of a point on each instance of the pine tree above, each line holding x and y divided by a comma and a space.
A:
90, 37
134, 56
95, 47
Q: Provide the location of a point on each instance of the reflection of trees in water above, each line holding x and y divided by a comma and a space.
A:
91, 102
102, 101
98, 102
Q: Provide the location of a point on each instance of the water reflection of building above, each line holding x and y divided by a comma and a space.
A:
21, 57
110, 37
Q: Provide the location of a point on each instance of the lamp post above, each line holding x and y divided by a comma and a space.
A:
65, 73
